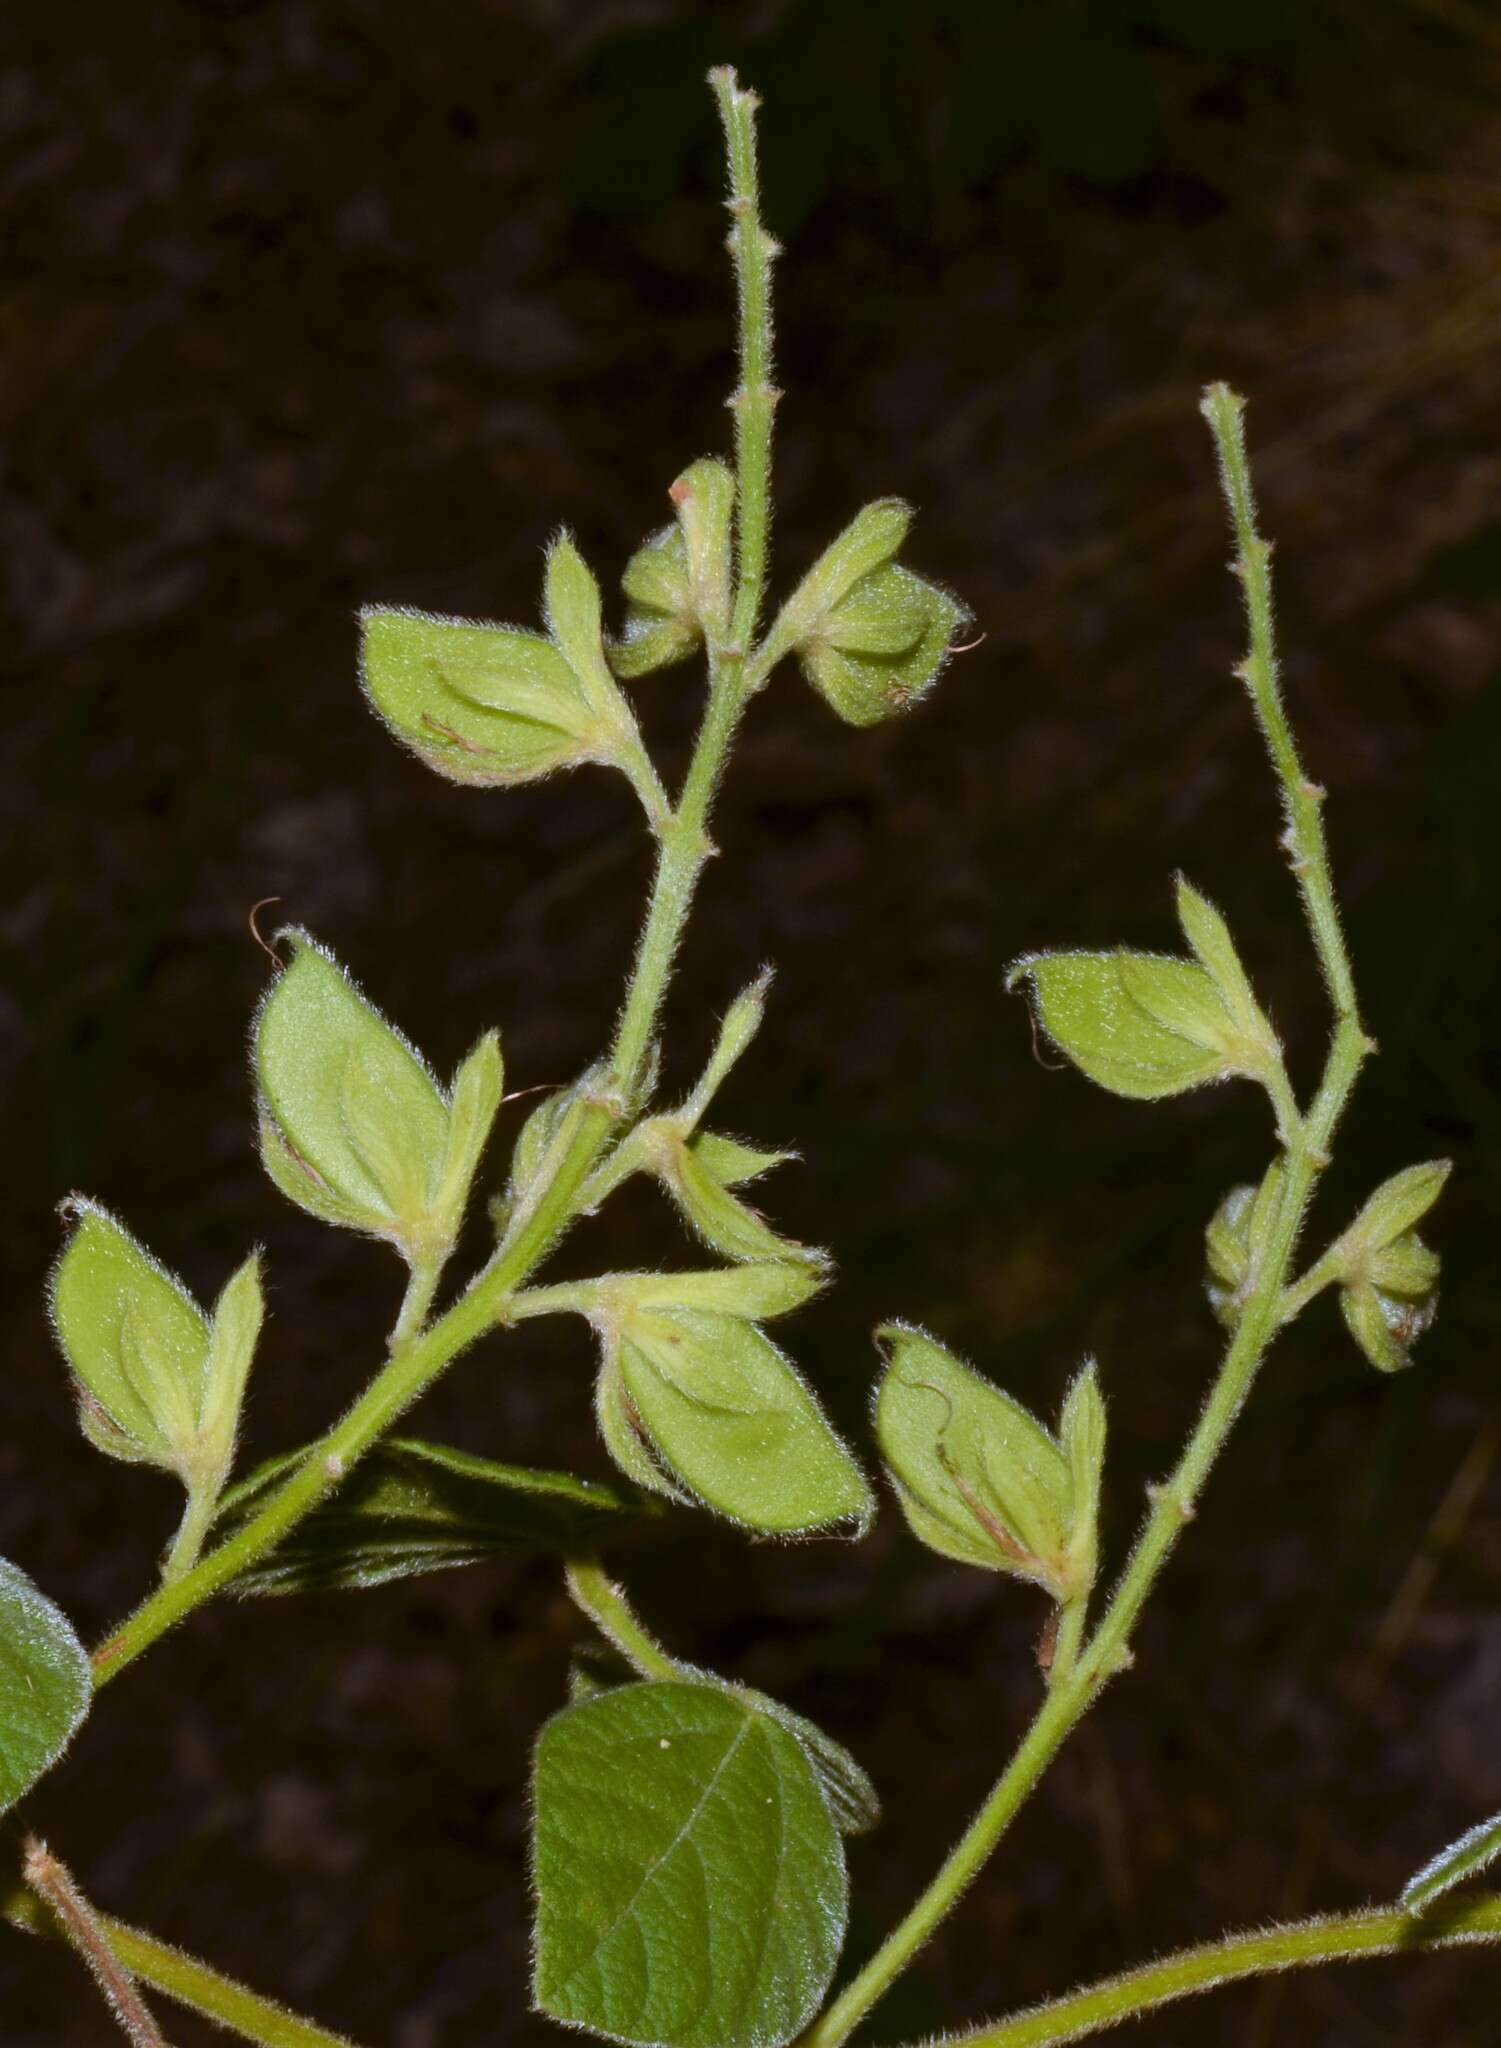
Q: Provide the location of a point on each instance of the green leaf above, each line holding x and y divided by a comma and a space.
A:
1467, 1857
45, 1685
137, 1342
731, 1162
1136, 1023
742, 1021
1383, 1326
354, 1126
729, 1417
851, 1798
574, 618
411, 1507
705, 499
1081, 1435
978, 1477
474, 1103
481, 704
625, 1435
689, 1880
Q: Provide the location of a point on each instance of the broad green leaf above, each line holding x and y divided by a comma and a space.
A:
851, 1797
410, 1507
865, 687
485, 705
349, 1109
731, 1419
978, 1477
45, 1685
689, 1879
1095, 1009
1472, 1853
137, 1342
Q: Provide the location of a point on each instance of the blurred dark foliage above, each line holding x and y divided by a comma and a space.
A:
307, 304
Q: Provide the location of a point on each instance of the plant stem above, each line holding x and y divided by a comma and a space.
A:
1307, 1152
420, 1354
189, 1982
197, 1517
606, 1606
1385, 1931
1302, 799
54, 1885
422, 1285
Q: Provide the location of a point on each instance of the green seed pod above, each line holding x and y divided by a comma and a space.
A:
135, 1339
481, 704
1235, 1240
678, 582
158, 1382
860, 657
728, 1419
869, 541
979, 1478
1139, 1024
354, 1128
1384, 1326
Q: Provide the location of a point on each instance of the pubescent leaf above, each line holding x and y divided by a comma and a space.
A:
689, 1879
45, 1684
411, 1507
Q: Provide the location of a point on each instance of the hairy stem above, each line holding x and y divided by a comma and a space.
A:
1307, 1140
1348, 1937
420, 1354
187, 1981
88, 1935
606, 1606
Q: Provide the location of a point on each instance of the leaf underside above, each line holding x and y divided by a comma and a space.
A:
412, 1507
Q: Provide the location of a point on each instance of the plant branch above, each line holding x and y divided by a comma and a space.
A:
419, 1355
1348, 1937
186, 1980
1173, 1503
87, 1935
1305, 842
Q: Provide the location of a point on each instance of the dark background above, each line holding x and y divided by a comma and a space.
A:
304, 305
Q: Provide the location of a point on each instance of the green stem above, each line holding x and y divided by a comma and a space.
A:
755, 400
190, 1982
197, 1518
422, 1285
419, 1355
1346, 1938
1307, 1142
606, 1606
1302, 799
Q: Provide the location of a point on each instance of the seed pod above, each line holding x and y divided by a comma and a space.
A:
883, 647
354, 1127
1384, 1325
1234, 1241
726, 1418
869, 541
481, 704
978, 1477
1390, 1276
158, 1381
1139, 1024
678, 582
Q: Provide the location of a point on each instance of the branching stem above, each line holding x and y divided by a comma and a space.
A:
1383, 1931
420, 1354
1307, 1141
